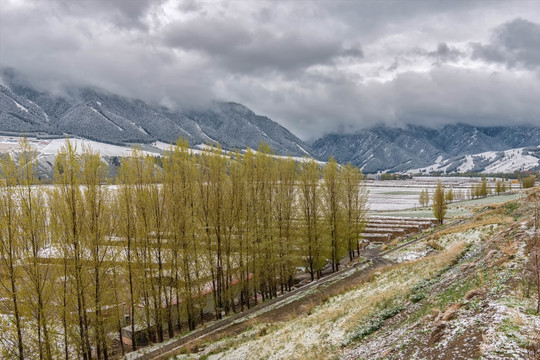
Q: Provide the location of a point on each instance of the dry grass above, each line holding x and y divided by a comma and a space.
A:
491, 220
451, 312
317, 334
474, 293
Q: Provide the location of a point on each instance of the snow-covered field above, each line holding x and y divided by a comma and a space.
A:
53, 146
394, 195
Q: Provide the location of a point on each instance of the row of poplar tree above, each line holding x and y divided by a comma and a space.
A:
159, 239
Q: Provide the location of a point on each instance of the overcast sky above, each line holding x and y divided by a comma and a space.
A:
314, 66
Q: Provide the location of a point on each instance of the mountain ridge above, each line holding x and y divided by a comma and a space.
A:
94, 114
102, 116
383, 148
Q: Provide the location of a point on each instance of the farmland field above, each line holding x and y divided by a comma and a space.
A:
401, 197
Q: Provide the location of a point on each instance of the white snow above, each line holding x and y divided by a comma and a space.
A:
467, 165
103, 149
510, 161
303, 150
513, 160
97, 112
141, 129
206, 136
22, 108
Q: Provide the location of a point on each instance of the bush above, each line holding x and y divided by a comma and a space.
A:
511, 207
528, 182
416, 297
367, 329
423, 284
391, 312
374, 324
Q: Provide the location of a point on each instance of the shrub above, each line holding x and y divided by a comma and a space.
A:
528, 182
416, 297
374, 324
367, 329
391, 312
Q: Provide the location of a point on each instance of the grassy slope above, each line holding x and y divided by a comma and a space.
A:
417, 307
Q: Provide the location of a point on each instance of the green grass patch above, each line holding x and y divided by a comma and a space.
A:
373, 324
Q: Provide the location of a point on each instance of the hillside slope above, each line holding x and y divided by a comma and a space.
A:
413, 147
97, 115
464, 292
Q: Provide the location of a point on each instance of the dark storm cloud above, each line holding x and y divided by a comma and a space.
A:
445, 53
443, 95
315, 67
241, 49
516, 43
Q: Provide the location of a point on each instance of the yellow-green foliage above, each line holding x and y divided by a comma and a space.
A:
176, 238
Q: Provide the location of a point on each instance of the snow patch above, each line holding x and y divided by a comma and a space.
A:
100, 114
20, 107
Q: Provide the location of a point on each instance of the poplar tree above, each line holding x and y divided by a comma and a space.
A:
354, 204
333, 196
213, 189
449, 195
148, 208
95, 229
311, 224
10, 246
235, 254
265, 179
250, 226
179, 186
70, 216
439, 203
125, 205
424, 197
34, 234
286, 208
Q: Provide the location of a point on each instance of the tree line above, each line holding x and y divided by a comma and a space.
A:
166, 241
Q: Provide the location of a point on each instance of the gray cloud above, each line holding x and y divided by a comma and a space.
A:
315, 67
241, 49
443, 95
445, 53
122, 13
515, 43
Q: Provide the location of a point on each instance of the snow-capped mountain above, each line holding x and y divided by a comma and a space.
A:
451, 148
97, 115
488, 162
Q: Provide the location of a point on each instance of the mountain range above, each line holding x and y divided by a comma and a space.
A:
98, 115
101, 116
450, 148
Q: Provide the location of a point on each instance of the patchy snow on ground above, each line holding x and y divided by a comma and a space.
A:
498, 162
470, 236
103, 149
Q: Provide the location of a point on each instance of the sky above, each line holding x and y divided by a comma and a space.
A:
315, 67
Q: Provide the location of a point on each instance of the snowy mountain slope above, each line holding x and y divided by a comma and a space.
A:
105, 117
488, 162
452, 147
17, 113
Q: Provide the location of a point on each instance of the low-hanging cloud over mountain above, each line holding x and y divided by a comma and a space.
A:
315, 67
